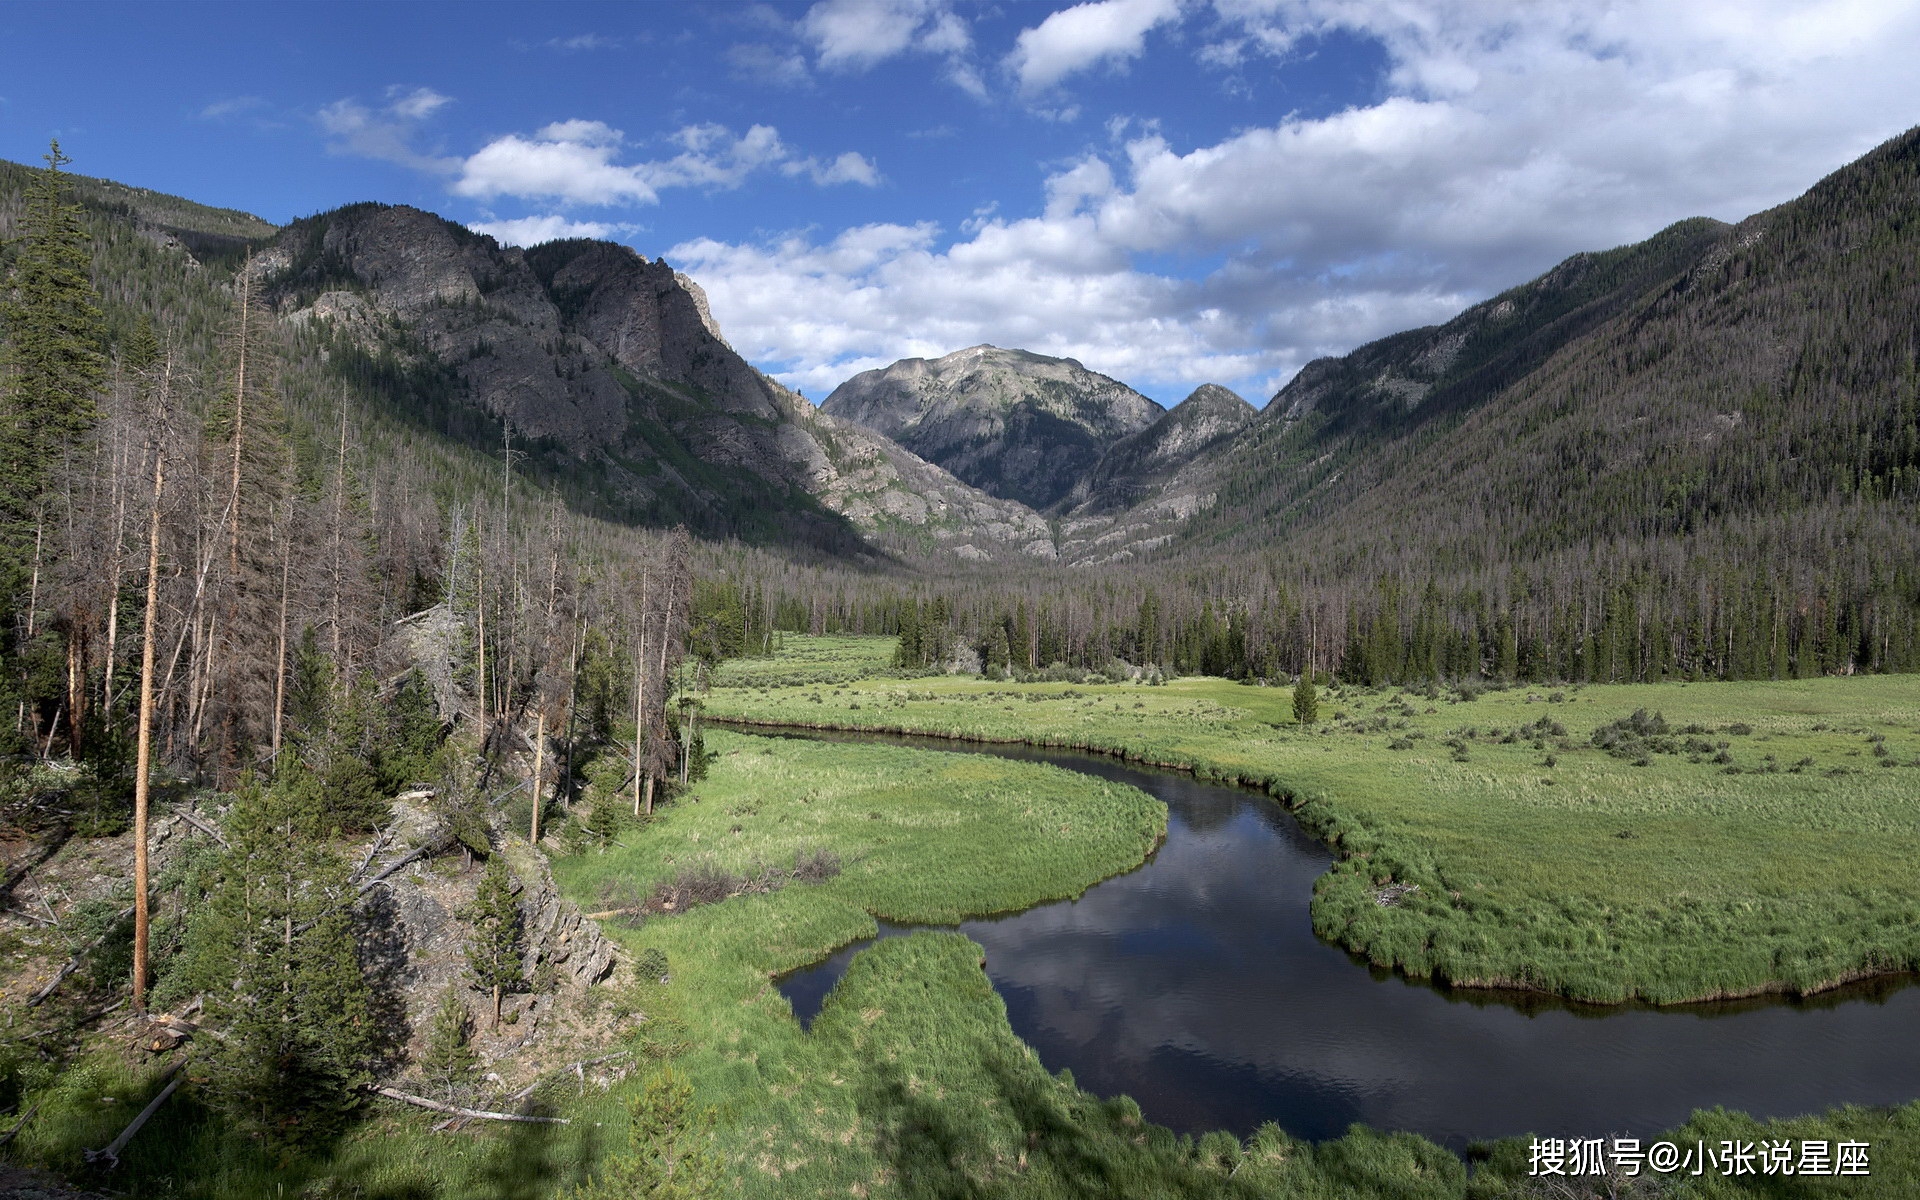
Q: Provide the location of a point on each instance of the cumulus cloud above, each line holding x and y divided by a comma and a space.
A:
387, 131
1086, 35
856, 35
532, 231
1504, 140
575, 162
860, 33
820, 311
570, 160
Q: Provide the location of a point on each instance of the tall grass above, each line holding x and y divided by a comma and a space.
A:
803, 658
1771, 848
911, 1083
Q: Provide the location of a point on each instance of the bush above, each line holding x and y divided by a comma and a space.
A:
816, 865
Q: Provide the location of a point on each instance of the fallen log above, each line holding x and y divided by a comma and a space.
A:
455, 1110
39, 997
112, 1153
203, 827
392, 868
373, 852
20, 1124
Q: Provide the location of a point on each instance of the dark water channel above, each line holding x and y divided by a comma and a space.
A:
1195, 985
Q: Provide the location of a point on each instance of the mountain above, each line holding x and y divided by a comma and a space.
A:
1135, 468
1017, 425
1708, 381
605, 374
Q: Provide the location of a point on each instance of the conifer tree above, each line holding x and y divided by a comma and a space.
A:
495, 952
1306, 701
54, 358
449, 1056
670, 1148
272, 948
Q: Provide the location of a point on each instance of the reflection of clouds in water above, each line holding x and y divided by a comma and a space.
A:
1195, 985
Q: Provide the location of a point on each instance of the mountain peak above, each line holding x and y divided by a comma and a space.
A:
1016, 424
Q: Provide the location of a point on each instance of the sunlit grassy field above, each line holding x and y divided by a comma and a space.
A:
1765, 839
802, 658
910, 1083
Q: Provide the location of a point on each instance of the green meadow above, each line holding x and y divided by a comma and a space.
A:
1734, 839
831, 658
910, 1083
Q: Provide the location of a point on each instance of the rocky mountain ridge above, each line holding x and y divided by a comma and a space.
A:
1018, 425
610, 374
608, 370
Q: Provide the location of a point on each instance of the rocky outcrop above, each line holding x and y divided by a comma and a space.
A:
1018, 425
1135, 469
609, 372
413, 931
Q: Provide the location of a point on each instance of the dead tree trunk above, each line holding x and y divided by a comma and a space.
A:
640, 707
280, 650
143, 755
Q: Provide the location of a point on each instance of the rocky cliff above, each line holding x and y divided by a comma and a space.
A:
607, 372
1135, 468
1017, 425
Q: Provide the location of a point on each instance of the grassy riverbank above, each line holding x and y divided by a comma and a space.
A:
911, 1084
1760, 837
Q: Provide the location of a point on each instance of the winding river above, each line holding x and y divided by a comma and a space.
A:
1195, 984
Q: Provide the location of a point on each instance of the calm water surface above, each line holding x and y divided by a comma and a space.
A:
1195, 985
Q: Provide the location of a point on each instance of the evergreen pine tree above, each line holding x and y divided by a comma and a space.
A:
496, 951
54, 360
671, 1155
1306, 701
272, 948
449, 1056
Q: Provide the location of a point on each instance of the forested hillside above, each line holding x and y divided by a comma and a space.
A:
236, 586
1697, 456
1700, 454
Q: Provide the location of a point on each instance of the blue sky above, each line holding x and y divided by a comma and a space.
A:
1172, 191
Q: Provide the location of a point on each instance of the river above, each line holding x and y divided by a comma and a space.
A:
1195, 984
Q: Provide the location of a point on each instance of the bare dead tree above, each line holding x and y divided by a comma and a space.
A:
143, 755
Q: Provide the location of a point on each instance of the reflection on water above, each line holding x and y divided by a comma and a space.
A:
1195, 985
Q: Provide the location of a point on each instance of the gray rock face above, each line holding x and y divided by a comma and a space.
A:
610, 368
1136, 468
1018, 425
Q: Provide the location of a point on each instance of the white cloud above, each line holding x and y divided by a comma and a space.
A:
237, 106
388, 131
571, 161
575, 162
818, 312
1505, 139
855, 35
848, 168
532, 231
860, 33
583, 41
1074, 39
757, 62
418, 104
